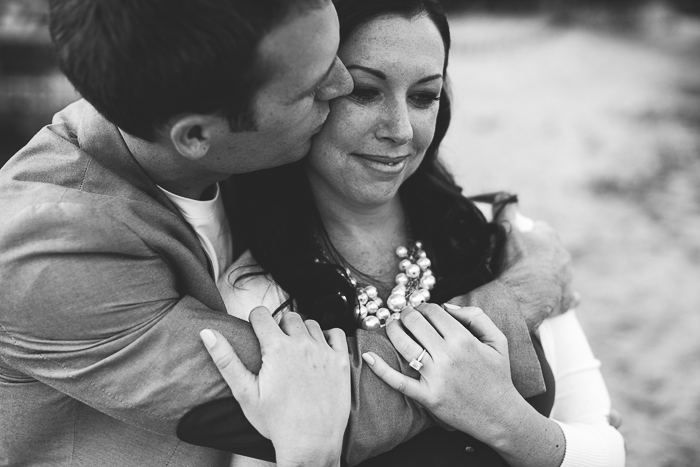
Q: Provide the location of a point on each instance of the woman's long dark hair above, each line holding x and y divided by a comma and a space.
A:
282, 226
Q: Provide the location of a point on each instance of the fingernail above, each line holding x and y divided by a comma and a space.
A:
368, 358
451, 306
208, 337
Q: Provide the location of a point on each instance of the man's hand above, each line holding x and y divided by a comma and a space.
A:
537, 268
301, 397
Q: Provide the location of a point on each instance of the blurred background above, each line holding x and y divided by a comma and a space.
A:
590, 111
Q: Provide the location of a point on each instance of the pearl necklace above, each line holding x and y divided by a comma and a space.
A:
413, 285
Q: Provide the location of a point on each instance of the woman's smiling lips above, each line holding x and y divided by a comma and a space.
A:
384, 164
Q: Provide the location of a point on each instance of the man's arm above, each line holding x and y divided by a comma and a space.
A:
535, 282
92, 311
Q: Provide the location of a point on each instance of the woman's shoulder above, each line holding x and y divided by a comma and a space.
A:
244, 286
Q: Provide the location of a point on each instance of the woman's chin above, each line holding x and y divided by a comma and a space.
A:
374, 196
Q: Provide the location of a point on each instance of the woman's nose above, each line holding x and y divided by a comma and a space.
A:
396, 124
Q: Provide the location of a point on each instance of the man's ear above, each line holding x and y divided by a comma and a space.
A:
192, 134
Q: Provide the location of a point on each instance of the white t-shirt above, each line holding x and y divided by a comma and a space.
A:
208, 219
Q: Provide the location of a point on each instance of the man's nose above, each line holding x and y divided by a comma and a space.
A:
339, 83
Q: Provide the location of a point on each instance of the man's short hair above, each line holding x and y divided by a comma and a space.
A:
141, 62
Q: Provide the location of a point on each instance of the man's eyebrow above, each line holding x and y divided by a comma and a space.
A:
319, 81
381, 75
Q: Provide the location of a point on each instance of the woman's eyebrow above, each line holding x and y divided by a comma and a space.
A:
430, 78
381, 75
371, 71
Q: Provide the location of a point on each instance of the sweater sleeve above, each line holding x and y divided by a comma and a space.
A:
582, 403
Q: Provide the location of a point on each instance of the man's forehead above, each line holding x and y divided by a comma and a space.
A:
301, 48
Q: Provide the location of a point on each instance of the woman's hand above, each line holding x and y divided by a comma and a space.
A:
301, 397
465, 382
465, 378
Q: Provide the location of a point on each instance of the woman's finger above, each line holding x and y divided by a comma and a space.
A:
264, 325
443, 322
336, 339
315, 330
407, 347
239, 379
292, 324
400, 382
481, 326
422, 330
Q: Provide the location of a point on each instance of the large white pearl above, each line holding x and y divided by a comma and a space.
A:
379, 301
422, 254
405, 264
416, 298
401, 278
413, 271
371, 323
402, 252
372, 307
423, 263
361, 312
426, 294
399, 289
396, 302
383, 314
362, 298
371, 291
427, 282
427, 272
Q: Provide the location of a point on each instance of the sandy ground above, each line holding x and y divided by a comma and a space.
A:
600, 135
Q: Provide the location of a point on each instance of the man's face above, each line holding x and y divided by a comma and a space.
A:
304, 74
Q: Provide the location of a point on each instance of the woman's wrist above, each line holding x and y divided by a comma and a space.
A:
527, 438
316, 456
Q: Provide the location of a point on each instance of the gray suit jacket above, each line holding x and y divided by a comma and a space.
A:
104, 290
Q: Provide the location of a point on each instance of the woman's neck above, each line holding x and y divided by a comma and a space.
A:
366, 236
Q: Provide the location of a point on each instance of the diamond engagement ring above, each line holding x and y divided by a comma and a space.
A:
415, 363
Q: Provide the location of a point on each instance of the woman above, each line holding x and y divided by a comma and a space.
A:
324, 236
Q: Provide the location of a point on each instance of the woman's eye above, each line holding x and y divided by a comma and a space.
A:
425, 99
364, 95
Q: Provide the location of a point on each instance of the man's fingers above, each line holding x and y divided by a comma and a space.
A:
237, 376
336, 339
481, 326
400, 382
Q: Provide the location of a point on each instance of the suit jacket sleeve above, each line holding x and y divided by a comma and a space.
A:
93, 311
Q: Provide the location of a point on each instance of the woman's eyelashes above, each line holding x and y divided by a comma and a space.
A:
425, 99
364, 95
367, 95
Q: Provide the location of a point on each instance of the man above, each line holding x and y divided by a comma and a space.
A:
114, 234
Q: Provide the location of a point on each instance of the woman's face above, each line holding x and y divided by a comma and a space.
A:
376, 137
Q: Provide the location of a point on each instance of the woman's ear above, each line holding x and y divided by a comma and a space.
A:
192, 135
